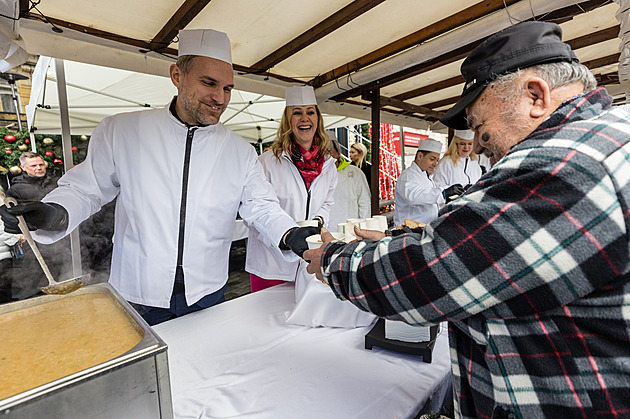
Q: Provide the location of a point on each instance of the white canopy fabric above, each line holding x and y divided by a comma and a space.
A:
95, 92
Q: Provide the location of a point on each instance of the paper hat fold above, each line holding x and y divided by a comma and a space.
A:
300, 96
464, 134
430, 145
206, 43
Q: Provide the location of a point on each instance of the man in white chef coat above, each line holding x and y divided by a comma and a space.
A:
416, 196
180, 177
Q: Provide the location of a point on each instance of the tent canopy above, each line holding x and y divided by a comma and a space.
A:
406, 52
95, 92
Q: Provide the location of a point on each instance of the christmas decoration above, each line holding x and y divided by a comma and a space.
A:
15, 170
10, 138
49, 146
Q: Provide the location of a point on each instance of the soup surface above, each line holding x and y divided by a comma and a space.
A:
49, 341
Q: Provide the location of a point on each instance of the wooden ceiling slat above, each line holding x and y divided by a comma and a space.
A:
581, 42
462, 52
599, 62
467, 15
182, 17
430, 88
323, 28
408, 107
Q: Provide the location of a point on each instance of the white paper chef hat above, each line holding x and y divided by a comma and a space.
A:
300, 96
429, 144
205, 42
464, 134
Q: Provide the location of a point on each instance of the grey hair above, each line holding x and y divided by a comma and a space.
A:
555, 74
185, 63
30, 155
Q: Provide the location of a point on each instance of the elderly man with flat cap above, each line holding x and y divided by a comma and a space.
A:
531, 267
180, 177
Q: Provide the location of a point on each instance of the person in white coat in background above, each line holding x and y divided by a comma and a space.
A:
459, 165
304, 177
352, 195
180, 177
416, 196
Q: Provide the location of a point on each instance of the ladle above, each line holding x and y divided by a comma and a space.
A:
54, 287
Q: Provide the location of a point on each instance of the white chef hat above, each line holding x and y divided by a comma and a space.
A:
429, 144
205, 42
300, 96
464, 134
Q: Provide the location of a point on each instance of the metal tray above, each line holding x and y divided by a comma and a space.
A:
132, 385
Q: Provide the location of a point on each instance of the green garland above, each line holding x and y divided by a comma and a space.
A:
52, 153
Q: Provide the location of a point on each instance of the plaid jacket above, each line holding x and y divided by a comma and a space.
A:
530, 268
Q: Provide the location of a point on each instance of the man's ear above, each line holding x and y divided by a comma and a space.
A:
176, 74
539, 97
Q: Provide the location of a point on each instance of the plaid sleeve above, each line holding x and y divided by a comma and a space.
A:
544, 228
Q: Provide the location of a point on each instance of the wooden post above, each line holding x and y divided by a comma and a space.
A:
375, 96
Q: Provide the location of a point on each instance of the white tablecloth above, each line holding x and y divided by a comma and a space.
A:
240, 359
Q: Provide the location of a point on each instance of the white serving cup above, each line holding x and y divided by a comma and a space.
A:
359, 222
307, 223
345, 228
373, 224
315, 241
382, 220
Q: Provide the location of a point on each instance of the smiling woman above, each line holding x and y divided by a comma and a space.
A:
304, 177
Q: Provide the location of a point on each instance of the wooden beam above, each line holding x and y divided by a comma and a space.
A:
182, 17
317, 32
408, 107
594, 38
599, 62
462, 52
433, 63
24, 5
451, 22
375, 97
431, 88
577, 43
143, 45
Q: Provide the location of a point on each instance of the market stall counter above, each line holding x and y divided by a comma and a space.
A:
240, 359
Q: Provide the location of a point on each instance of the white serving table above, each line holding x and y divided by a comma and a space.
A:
240, 359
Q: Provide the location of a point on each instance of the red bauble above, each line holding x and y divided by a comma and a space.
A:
49, 153
7, 150
9, 138
74, 149
58, 161
27, 141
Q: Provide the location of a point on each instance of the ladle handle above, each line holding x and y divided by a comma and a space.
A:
27, 235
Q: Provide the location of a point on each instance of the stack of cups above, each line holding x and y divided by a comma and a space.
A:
378, 223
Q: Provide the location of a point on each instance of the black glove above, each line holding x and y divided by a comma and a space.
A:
295, 239
453, 192
320, 221
37, 215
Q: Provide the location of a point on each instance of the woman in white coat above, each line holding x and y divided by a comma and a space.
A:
304, 177
459, 165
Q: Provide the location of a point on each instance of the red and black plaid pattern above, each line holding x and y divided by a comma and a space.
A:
530, 268
309, 163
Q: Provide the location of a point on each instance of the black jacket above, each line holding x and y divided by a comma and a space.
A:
25, 188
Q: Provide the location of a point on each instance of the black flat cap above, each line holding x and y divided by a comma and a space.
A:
520, 46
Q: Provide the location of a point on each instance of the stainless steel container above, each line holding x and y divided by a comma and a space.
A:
133, 385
